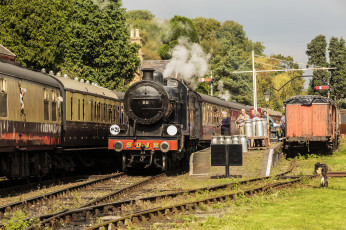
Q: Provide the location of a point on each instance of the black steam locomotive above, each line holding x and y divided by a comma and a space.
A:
50, 123
167, 121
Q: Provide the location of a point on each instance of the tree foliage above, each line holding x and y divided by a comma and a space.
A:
87, 39
179, 26
337, 59
281, 85
316, 51
37, 31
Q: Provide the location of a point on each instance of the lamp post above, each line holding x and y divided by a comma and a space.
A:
267, 98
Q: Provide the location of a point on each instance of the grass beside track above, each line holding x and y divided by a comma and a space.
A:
306, 206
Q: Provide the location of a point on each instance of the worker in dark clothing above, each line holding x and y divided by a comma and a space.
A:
225, 124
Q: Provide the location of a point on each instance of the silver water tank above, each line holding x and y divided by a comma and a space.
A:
248, 128
235, 139
214, 140
221, 140
259, 127
243, 142
265, 128
228, 140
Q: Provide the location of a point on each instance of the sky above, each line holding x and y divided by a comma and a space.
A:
284, 27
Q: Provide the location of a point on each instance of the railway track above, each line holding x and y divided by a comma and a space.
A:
113, 193
13, 188
52, 195
88, 213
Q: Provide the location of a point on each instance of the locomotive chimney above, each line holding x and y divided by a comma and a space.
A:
148, 74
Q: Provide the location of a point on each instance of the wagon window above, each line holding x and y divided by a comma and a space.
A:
45, 105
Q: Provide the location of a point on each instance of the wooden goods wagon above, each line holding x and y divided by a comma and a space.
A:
311, 120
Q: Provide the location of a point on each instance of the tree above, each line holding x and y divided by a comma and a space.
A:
99, 49
179, 26
316, 51
207, 29
337, 58
37, 31
86, 39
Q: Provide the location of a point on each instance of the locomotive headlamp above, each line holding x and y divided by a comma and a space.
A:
172, 130
118, 146
114, 129
165, 146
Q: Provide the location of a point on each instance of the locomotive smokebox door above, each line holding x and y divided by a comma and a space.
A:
219, 151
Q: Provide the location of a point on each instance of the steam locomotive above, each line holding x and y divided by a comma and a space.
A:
167, 122
51, 124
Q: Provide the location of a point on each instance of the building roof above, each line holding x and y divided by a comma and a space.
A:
5, 51
158, 65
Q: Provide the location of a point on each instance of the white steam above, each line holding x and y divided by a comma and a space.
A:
223, 93
188, 60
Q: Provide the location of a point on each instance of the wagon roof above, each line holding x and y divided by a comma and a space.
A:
308, 100
26, 74
76, 86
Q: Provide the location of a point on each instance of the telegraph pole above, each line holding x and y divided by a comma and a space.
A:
254, 81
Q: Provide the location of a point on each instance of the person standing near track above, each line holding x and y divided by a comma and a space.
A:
225, 124
241, 121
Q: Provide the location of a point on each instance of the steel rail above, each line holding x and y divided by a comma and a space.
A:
87, 211
112, 195
182, 207
4, 192
57, 193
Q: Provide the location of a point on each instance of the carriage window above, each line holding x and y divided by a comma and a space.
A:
54, 97
104, 111
98, 111
3, 104
83, 111
2, 85
71, 108
53, 111
92, 111
78, 109
3, 98
46, 105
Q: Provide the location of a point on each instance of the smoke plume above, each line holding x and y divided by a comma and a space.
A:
223, 93
188, 60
